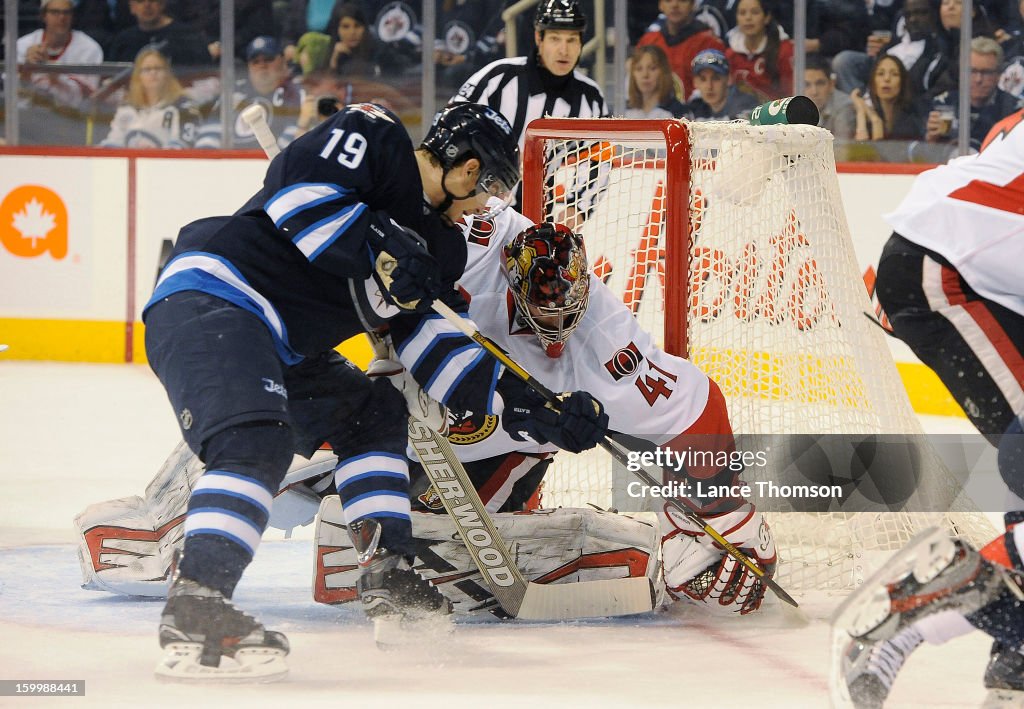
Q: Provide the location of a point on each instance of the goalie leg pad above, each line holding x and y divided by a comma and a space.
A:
552, 546
128, 545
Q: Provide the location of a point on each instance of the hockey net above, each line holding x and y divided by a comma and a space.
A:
729, 244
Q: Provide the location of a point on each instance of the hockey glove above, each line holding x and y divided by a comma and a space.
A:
410, 274
579, 423
698, 568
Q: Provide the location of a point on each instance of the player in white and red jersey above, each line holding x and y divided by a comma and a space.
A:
530, 290
950, 281
601, 349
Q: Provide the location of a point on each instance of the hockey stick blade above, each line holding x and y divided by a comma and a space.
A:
518, 597
614, 449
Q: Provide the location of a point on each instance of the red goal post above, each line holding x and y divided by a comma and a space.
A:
676, 141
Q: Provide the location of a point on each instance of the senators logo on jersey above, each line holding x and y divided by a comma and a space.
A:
625, 362
480, 232
466, 428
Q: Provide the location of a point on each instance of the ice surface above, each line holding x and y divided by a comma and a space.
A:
73, 434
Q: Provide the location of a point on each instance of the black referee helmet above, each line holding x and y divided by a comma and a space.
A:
560, 15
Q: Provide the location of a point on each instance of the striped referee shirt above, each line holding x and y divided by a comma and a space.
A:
521, 90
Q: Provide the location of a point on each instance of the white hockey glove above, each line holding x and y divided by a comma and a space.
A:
430, 412
698, 568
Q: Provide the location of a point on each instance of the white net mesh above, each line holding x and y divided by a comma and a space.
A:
743, 230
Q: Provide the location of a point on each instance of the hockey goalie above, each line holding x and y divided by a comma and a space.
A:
532, 293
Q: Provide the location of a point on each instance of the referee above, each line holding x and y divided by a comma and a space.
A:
543, 84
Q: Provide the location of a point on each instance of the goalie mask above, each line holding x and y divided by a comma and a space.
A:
547, 272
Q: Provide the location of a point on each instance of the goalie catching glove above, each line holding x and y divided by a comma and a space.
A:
409, 274
696, 567
577, 424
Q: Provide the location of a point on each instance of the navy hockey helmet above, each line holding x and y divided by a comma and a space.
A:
472, 130
547, 272
560, 15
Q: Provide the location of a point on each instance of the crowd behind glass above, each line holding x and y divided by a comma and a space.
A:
147, 73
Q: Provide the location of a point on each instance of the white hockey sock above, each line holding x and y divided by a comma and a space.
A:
943, 626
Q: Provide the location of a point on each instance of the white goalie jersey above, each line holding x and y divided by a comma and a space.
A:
645, 391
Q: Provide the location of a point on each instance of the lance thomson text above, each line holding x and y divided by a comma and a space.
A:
699, 489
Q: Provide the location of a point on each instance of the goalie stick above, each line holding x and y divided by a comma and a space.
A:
517, 596
616, 450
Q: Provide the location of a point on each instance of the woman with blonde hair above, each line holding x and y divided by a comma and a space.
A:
155, 113
652, 85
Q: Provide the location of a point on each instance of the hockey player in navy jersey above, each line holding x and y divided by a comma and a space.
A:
532, 294
353, 229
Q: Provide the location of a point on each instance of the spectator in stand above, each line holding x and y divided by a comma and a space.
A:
652, 90
889, 112
835, 109
353, 48
681, 37
183, 45
1012, 79
467, 38
715, 97
57, 43
759, 54
155, 113
253, 18
950, 12
989, 103
269, 85
312, 53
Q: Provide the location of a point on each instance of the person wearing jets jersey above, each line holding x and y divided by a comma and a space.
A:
354, 228
531, 292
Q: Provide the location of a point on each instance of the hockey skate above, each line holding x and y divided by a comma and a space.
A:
873, 631
207, 639
1004, 678
404, 606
